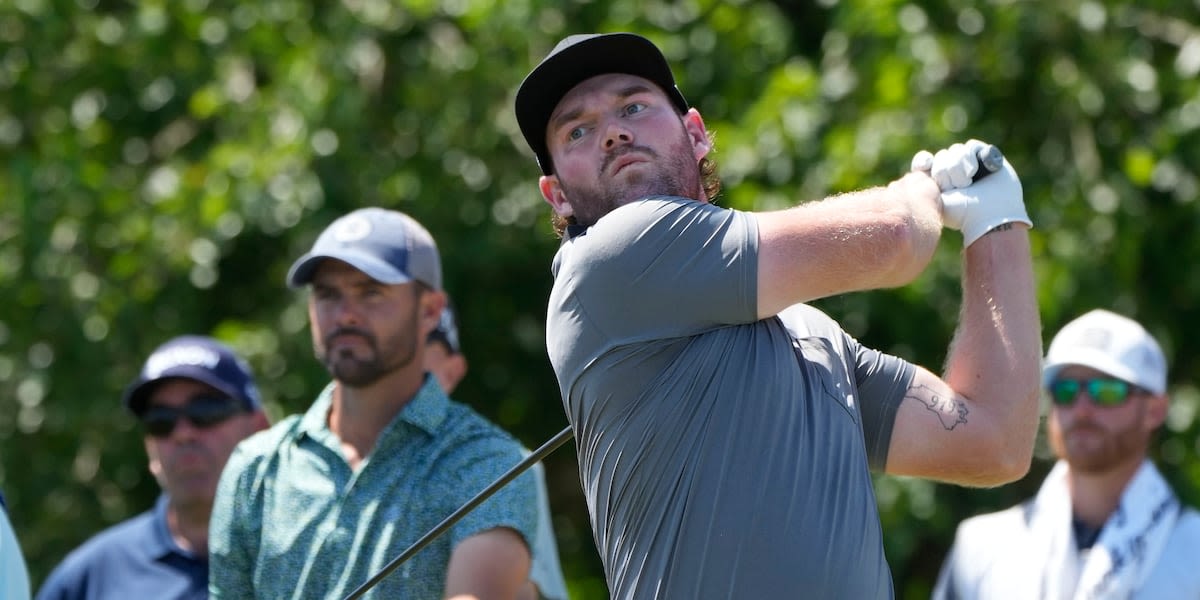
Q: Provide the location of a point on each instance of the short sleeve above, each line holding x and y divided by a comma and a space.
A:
666, 267
882, 380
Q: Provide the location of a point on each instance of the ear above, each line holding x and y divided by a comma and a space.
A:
155, 463
431, 304
697, 133
1156, 411
555, 196
259, 421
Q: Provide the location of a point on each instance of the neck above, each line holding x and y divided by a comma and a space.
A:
359, 415
189, 526
1095, 496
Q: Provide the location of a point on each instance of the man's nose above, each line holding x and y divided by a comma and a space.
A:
616, 135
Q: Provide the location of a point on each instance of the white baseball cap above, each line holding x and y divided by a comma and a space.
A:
1111, 343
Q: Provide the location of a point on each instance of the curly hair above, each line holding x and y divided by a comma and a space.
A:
709, 179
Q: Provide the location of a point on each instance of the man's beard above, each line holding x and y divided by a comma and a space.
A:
357, 372
1108, 449
677, 175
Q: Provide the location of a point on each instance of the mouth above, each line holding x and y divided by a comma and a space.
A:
191, 460
630, 156
347, 338
625, 161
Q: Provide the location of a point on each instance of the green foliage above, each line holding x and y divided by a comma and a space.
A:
164, 162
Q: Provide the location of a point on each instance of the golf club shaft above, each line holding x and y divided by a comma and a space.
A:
521, 467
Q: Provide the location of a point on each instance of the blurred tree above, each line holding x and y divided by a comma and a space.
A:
163, 163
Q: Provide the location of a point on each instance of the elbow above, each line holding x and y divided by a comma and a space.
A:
1007, 458
1012, 465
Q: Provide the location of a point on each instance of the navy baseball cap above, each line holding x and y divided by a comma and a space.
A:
446, 331
575, 59
389, 246
198, 358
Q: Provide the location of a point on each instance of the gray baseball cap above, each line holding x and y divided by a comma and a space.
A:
389, 246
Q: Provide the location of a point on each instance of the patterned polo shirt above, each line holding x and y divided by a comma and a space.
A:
293, 520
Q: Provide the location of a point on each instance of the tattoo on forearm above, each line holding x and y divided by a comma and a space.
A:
949, 411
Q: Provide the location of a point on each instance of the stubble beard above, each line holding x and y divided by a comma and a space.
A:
360, 372
676, 175
1106, 451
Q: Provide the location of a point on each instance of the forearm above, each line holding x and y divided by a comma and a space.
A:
995, 358
874, 238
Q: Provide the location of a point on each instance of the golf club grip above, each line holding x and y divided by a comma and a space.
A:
990, 161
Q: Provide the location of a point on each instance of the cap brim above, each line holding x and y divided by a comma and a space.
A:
542, 89
302, 270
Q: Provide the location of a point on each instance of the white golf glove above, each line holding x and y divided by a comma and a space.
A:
974, 208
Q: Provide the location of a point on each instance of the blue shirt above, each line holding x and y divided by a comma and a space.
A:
14, 577
136, 558
293, 520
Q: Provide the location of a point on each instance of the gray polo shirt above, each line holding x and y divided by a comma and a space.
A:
722, 456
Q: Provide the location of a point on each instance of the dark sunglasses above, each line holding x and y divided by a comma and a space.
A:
201, 411
1102, 391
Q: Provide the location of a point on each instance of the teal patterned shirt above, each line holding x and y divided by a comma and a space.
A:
292, 520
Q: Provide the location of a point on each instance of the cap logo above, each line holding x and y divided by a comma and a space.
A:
1096, 338
181, 355
352, 229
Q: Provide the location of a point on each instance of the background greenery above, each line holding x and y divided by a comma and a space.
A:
163, 162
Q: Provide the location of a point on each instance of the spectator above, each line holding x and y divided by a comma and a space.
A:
323, 501
195, 400
1105, 524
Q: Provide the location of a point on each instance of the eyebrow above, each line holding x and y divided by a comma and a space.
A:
571, 115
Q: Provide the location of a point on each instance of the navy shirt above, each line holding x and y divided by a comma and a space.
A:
136, 558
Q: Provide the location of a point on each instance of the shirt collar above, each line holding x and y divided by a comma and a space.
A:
426, 411
158, 542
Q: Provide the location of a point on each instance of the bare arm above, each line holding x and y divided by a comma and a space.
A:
977, 425
492, 564
875, 238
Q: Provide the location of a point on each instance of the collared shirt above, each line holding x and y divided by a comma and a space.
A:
136, 558
722, 455
293, 520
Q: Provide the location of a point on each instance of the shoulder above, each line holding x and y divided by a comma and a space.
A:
260, 448
464, 425
629, 223
119, 546
1175, 575
802, 320
1187, 527
469, 441
268, 441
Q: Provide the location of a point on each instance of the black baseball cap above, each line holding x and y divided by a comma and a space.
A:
575, 59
